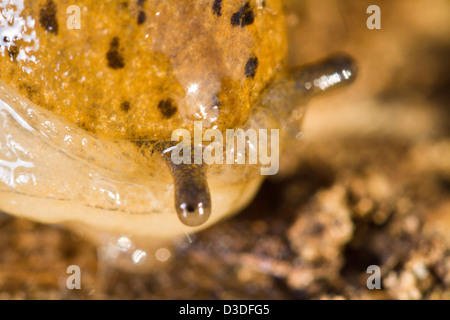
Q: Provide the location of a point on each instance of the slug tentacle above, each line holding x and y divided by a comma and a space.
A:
334, 72
192, 196
305, 82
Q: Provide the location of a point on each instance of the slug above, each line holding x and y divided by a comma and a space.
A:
87, 114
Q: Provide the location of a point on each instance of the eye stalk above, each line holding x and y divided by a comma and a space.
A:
300, 84
333, 72
192, 197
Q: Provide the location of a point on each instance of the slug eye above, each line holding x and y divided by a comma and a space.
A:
193, 214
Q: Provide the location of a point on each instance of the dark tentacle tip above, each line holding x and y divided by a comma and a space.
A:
345, 65
193, 214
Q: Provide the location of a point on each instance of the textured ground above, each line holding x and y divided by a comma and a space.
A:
368, 183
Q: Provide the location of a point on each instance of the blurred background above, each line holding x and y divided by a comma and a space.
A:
367, 183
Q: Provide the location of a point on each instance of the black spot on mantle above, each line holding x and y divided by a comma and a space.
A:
47, 17
217, 7
167, 108
125, 106
243, 17
115, 59
251, 66
141, 17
